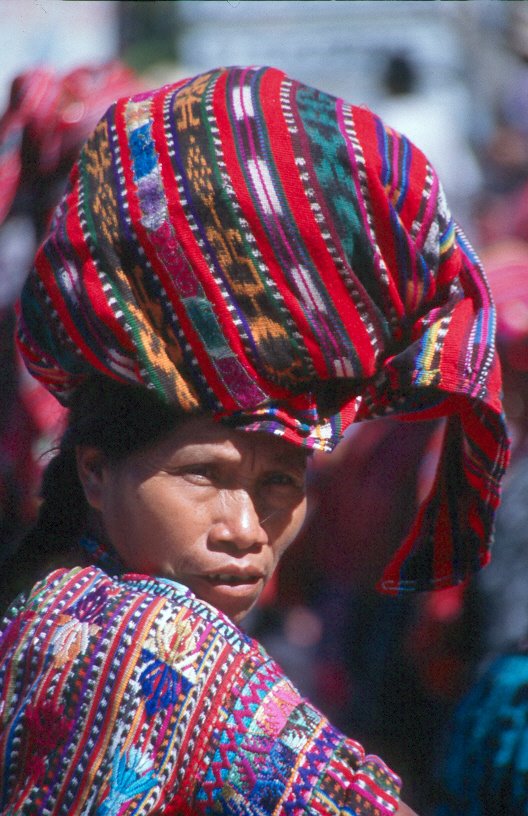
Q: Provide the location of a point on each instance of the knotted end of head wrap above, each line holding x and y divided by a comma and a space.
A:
251, 247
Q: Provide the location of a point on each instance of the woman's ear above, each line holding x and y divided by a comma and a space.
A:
91, 468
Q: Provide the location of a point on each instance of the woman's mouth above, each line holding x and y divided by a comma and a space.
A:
233, 593
230, 579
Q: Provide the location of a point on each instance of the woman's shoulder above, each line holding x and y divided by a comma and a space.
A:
113, 669
83, 615
120, 604
135, 678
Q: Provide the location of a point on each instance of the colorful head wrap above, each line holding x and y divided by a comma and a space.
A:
249, 246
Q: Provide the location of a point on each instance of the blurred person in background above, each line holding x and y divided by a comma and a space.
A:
502, 204
456, 634
484, 769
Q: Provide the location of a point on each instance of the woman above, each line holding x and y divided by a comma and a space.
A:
242, 267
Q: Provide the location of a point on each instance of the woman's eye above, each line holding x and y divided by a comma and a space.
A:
287, 480
200, 473
279, 478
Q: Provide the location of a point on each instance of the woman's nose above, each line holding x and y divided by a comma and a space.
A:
238, 522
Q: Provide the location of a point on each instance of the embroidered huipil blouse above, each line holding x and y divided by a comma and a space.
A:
128, 695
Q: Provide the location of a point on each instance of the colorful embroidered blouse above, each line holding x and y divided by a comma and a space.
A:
128, 695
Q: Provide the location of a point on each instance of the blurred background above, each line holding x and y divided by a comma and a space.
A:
436, 69
452, 76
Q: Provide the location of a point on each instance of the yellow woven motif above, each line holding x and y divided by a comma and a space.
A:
238, 268
198, 171
161, 357
185, 108
104, 204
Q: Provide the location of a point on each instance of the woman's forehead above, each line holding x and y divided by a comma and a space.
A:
203, 434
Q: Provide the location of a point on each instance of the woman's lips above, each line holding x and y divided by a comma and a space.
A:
232, 593
230, 579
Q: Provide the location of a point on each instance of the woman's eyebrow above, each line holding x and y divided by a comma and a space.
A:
209, 449
291, 459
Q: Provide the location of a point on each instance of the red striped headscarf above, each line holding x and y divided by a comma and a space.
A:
252, 247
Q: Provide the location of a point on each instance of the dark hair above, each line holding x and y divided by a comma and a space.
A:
119, 420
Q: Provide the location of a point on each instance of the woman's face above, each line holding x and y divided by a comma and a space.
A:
208, 506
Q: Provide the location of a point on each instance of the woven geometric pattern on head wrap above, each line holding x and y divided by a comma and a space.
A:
249, 246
